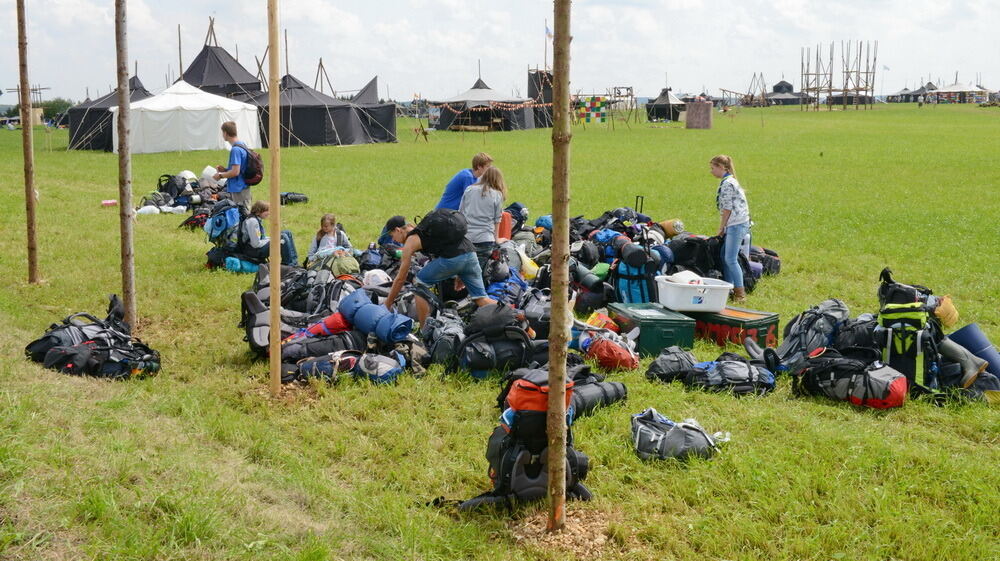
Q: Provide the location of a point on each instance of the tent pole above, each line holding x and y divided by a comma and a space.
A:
125, 212
27, 144
274, 147
561, 312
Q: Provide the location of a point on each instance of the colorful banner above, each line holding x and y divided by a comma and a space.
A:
593, 109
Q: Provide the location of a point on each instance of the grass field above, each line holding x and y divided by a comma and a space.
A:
198, 463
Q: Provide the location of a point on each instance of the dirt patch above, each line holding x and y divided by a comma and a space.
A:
589, 534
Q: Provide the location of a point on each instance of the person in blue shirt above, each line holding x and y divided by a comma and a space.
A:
453, 191
236, 186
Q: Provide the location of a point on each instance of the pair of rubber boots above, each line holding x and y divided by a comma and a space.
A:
972, 365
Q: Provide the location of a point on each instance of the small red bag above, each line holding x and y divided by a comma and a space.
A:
331, 325
611, 356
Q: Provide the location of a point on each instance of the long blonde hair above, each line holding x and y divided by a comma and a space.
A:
327, 220
725, 162
492, 179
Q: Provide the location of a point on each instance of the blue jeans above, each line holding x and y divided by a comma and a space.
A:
731, 270
464, 266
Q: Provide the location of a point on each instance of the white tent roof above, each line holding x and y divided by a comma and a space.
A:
182, 117
481, 94
184, 96
957, 87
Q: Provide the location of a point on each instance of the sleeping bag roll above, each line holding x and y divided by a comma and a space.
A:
368, 315
393, 328
352, 303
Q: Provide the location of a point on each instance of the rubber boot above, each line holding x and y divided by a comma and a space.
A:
739, 294
972, 365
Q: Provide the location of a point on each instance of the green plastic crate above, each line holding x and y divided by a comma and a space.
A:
659, 327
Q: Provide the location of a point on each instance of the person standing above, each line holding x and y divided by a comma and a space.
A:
453, 191
236, 186
482, 206
734, 213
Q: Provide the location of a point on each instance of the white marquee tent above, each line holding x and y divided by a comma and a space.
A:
182, 117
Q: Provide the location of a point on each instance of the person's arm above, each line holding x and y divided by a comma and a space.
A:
234, 165
726, 194
497, 218
313, 247
411, 246
725, 220
252, 230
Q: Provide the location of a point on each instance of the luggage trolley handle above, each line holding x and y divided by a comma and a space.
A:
640, 203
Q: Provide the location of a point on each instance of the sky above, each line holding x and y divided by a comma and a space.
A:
433, 47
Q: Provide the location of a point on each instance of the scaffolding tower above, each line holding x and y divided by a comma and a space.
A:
816, 77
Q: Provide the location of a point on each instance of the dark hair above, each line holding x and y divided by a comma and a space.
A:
395, 222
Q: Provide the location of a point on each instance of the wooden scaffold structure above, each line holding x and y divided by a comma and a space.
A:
816, 77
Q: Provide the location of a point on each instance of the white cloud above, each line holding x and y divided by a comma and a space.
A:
432, 46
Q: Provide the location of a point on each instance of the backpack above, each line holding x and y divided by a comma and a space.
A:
380, 369
171, 185
318, 346
670, 364
814, 328
693, 253
444, 226
610, 351
119, 361
519, 213
537, 307
326, 367
443, 335
908, 341
338, 263
608, 241
517, 450
254, 172
858, 332
767, 258
290, 198
636, 284
857, 376
657, 437
586, 252
892, 292
157, 199
223, 224
736, 376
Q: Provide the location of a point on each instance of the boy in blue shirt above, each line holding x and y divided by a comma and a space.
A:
236, 186
453, 191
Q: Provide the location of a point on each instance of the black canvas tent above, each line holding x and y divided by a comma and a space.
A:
540, 92
215, 71
91, 122
367, 94
665, 107
481, 106
312, 118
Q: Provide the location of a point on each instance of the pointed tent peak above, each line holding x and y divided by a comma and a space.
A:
215, 67
480, 85
291, 82
134, 83
367, 94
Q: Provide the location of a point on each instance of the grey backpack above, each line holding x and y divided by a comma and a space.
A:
657, 437
670, 365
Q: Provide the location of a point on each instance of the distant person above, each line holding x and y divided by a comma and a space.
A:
236, 186
482, 206
920, 101
453, 191
329, 237
734, 213
440, 235
255, 244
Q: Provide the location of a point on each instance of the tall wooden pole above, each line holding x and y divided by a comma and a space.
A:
125, 212
180, 61
274, 146
561, 312
27, 143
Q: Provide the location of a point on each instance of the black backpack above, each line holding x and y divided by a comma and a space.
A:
670, 364
814, 328
171, 185
443, 335
254, 172
442, 227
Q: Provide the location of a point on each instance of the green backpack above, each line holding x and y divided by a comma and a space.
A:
907, 340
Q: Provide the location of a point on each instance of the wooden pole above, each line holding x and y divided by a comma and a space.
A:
274, 146
125, 212
27, 144
561, 313
180, 60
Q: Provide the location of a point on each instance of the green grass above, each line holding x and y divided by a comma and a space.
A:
198, 463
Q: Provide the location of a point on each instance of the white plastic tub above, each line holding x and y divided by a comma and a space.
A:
710, 296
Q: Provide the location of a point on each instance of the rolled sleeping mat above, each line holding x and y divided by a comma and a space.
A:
973, 339
666, 254
368, 316
601, 270
393, 328
352, 303
633, 255
672, 227
589, 397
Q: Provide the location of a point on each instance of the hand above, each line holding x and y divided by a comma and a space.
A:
722, 231
220, 168
217, 176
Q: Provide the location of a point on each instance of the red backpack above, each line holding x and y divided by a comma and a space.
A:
255, 166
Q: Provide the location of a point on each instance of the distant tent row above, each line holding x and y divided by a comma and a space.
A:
91, 122
483, 108
180, 120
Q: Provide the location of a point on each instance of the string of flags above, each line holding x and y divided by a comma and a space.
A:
492, 106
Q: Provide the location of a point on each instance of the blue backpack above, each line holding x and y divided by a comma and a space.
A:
223, 225
635, 285
608, 241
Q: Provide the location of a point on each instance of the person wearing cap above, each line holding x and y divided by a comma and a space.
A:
440, 235
453, 191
